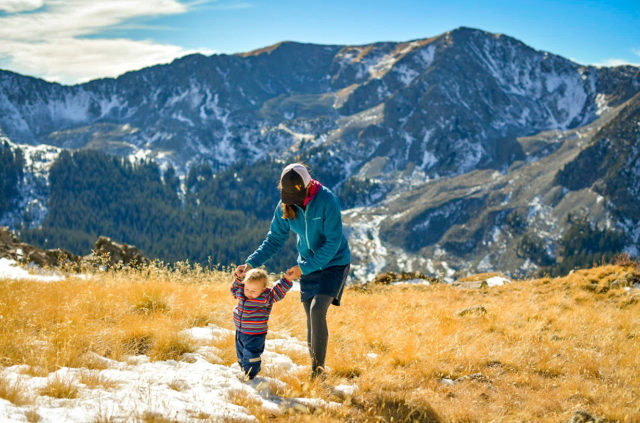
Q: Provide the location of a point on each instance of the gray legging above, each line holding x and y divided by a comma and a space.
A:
317, 332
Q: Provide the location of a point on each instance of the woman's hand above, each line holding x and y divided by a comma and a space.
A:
241, 271
293, 273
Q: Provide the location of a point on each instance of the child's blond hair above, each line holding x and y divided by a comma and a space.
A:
257, 275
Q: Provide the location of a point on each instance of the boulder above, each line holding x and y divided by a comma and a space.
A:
581, 416
387, 278
478, 310
470, 285
110, 253
12, 248
7, 238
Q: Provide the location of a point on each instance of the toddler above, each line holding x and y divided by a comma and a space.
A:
251, 315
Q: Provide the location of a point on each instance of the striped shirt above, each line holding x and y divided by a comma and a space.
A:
252, 315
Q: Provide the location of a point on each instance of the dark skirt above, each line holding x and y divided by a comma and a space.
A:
329, 281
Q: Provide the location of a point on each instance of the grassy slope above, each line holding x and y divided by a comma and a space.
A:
544, 348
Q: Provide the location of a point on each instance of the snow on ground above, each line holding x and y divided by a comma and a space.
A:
497, 281
193, 388
9, 269
418, 281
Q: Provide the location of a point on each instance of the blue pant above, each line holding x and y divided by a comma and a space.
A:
249, 348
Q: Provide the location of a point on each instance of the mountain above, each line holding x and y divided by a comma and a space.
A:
448, 149
549, 208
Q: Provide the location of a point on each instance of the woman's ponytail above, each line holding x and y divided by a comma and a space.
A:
288, 212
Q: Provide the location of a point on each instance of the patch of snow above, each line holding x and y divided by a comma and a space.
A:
179, 117
9, 269
345, 390
186, 390
427, 55
406, 74
418, 281
485, 264
449, 272
470, 160
535, 207
497, 281
601, 104
141, 154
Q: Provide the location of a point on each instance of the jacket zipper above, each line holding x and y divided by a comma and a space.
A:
306, 233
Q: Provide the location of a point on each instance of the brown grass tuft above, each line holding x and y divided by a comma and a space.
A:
150, 302
94, 379
33, 416
170, 346
60, 387
154, 417
14, 391
396, 407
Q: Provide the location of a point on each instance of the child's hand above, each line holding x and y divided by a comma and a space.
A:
293, 273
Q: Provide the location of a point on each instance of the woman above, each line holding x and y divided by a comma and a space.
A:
313, 213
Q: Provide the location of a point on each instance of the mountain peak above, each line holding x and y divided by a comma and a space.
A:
282, 46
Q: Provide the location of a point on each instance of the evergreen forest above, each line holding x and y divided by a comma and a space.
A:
219, 221
11, 172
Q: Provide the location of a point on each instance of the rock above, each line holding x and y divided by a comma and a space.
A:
470, 285
477, 310
111, 253
632, 278
581, 416
386, 278
478, 377
12, 248
7, 237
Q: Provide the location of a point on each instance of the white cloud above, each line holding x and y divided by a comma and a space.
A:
50, 42
15, 6
616, 62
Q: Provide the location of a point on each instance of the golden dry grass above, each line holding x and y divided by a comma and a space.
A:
60, 387
13, 391
541, 350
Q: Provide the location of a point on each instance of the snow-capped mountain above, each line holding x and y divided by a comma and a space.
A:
443, 105
379, 123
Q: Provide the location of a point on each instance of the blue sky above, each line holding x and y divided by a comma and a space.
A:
76, 40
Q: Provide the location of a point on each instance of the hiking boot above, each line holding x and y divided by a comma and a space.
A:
318, 373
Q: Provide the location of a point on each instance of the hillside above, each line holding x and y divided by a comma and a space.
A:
157, 345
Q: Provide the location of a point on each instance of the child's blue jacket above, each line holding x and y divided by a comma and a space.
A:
321, 243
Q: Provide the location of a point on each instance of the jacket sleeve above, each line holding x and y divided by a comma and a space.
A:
276, 238
332, 228
280, 290
236, 288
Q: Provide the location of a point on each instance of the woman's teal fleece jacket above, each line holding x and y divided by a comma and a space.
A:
321, 243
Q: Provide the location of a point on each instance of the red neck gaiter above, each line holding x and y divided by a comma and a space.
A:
313, 190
